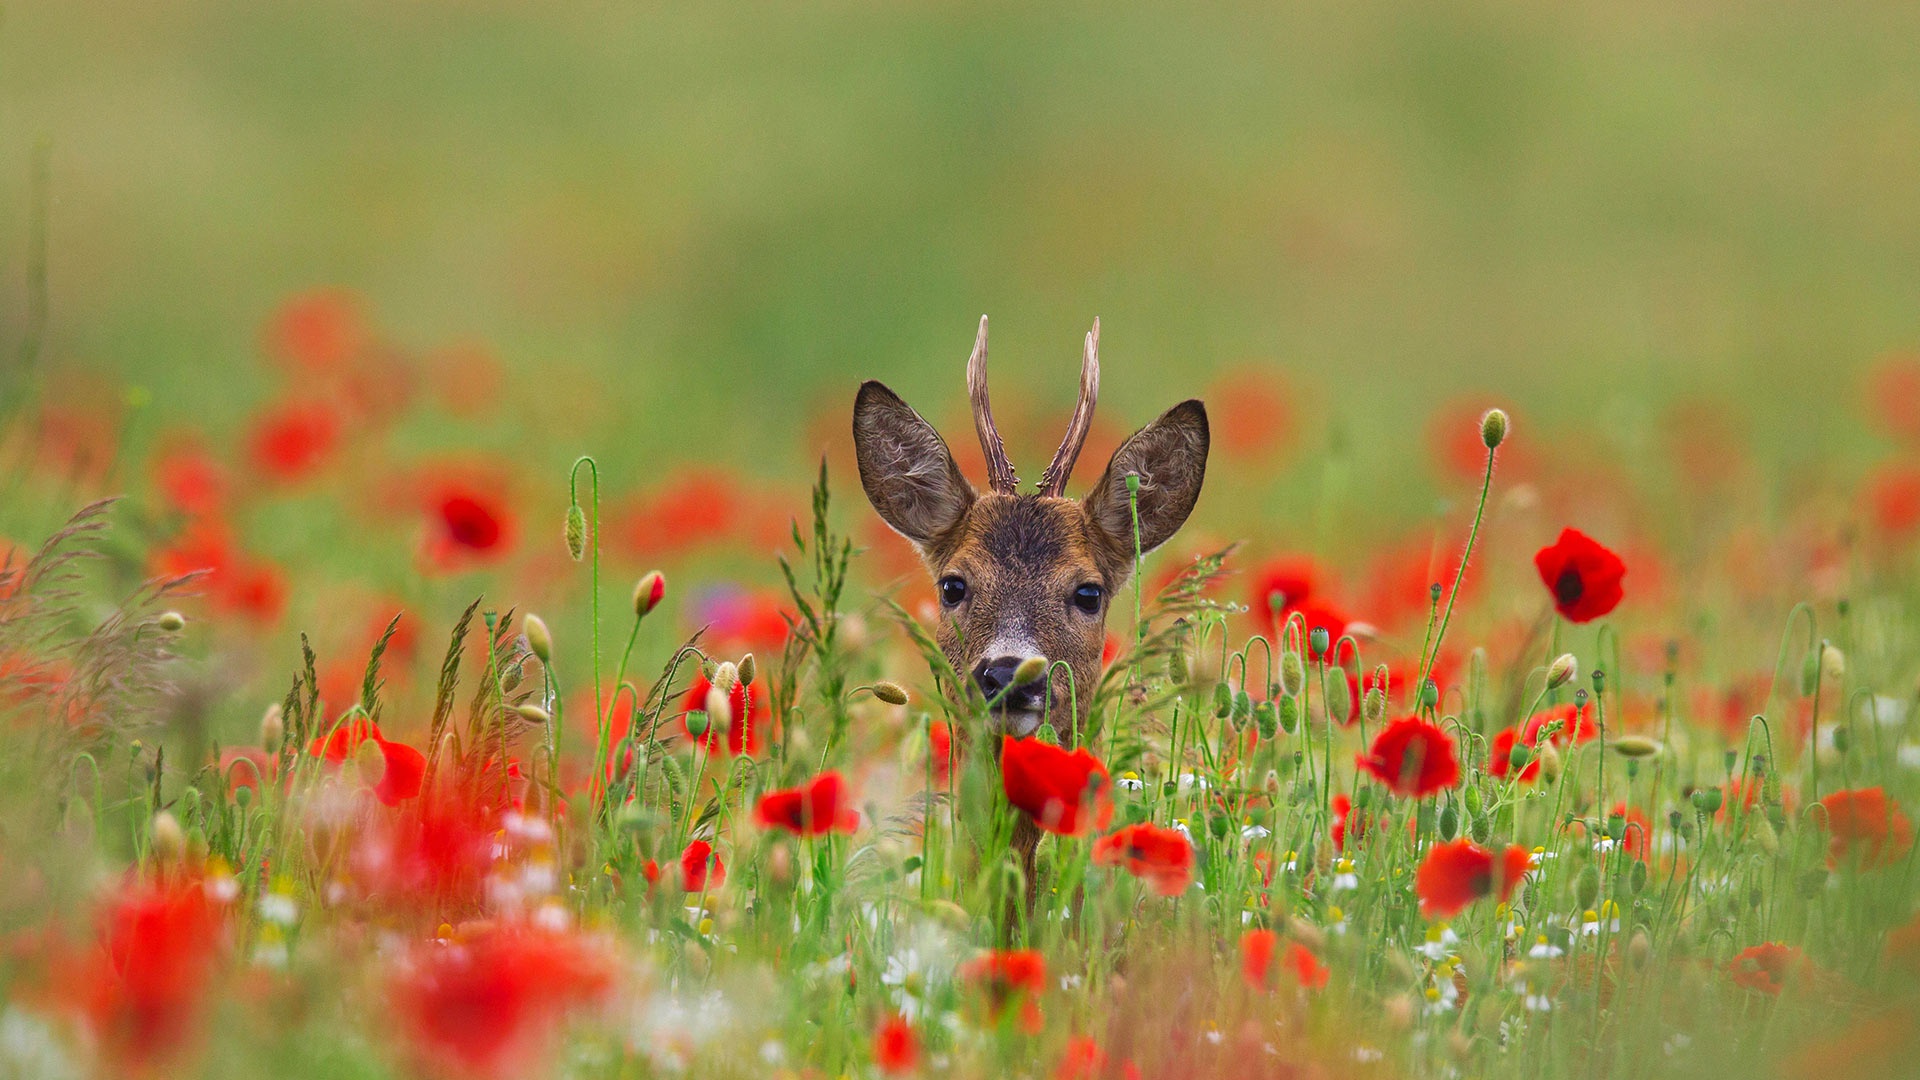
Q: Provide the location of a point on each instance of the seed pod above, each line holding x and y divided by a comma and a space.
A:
1373, 705
1493, 428
697, 723
576, 532
170, 621
539, 638
1266, 719
1222, 701
1318, 641
1707, 800
1449, 822
1293, 674
1030, 669
1562, 671
890, 692
1289, 710
1635, 746
1586, 887
648, 592
1616, 827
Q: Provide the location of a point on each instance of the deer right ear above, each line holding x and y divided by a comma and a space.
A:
906, 468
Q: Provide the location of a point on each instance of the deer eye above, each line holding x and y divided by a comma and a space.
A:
952, 591
1088, 597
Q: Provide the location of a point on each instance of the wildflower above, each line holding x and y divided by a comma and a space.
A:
1457, 873
1130, 781
1063, 791
1081, 1060
1258, 950
293, 440
1545, 950
814, 809
1413, 758
940, 751
1162, 857
1583, 576
1439, 942
1864, 821
403, 766
317, 332
1009, 977
489, 1006
896, 1049
1344, 878
1500, 759
700, 867
468, 521
648, 592
1766, 968
748, 714
190, 479
144, 991
1344, 822
1253, 831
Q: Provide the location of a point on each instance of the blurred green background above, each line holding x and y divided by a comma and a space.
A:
687, 230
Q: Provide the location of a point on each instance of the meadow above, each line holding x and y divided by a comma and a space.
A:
442, 632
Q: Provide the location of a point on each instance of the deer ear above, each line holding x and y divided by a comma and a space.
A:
909, 474
1170, 458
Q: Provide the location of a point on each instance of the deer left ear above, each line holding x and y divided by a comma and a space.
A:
1170, 458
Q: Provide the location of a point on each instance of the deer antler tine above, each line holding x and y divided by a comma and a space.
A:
1000, 475
1054, 480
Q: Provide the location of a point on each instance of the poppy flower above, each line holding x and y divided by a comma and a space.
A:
1253, 422
896, 1049
1766, 968
316, 332
293, 440
1345, 825
1583, 576
1863, 821
1081, 1059
743, 736
468, 520
490, 1006
440, 850
1259, 950
1063, 791
1893, 396
1412, 758
700, 868
741, 619
404, 768
190, 480
144, 991
1162, 857
1008, 977
1892, 497
1575, 725
813, 809
1457, 873
234, 581
690, 511
940, 751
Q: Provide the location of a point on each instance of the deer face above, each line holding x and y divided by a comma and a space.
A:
1027, 575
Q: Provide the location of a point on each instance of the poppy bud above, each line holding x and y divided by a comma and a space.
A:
1562, 671
170, 621
1429, 693
1045, 734
1707, 800
1222, 701
1289, 714
1765, 836
1373, 705
1640, 949
576, 531
1635, 746
1549, 763
719, 708
169, 839
1833, 664
1177, 667
1242, 710
197, 845
1519, 756
1449, 822
890, 692
1293, 674
273, 728
648, 592
1318, 641
539, 638
1586, 888
1266, 719
726, 676
533, 714
1637, 877
1473, 800
749, 668
1030, 669
1809, 674
1480, 827
1493, 428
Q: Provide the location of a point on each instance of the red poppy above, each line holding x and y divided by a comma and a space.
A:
1082, 1059
235, 582
1575, 725
441, 850
896, 1049
700, 868
1457, 873
1865, 822
143, 992
1063, 791
940, 751
1413, 758
190, 480
1162, 857
1500, 758
1009, 976
317, 331
745, 727
1253, 421
293, 440
467, 523
814, 809
1893, 396
1893, 500
404, 769
1258, 949
490, 1006
1583, 576
739, 618
1766, 968
1345, 824
689, 511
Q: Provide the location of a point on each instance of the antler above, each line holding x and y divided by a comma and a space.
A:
1054, 480
1000, 475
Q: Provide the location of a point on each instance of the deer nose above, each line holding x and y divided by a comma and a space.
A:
994, 677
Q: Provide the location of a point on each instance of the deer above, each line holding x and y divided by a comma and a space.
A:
1020, 576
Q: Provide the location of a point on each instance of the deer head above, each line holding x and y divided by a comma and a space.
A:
1027, 575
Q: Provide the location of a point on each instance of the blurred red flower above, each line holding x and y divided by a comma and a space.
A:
294, 439
235, 582
1457, 873
689, 511
816, 808
144, 990
1344, 824
1864, 822
489, 1006
700, 868
1258, 950
1575, 725
1893, 500
1412, 758
896, 1049
1893, 396
1500, 758
1766, 968
1009, 976
1252, 420
745, 728
317, 331
404, 766
1160, 856
1063, 791
1081, 1059
468, 522
1289, 584
940, 751
190, 479
1583, 576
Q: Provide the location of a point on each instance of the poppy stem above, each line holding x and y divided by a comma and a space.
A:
1459, 574
593, 538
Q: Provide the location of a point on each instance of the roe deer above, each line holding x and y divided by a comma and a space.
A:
1027, 575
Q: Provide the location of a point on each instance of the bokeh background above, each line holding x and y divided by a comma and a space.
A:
1679, 242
